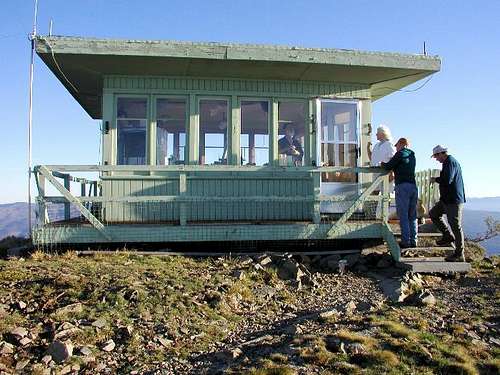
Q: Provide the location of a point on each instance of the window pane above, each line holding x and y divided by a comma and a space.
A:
213, 131
254, 140
170, 131
338, 155
338, 122
131, 126
291, 132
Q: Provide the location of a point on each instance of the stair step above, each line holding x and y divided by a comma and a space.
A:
426, 234
433, 265
428, 248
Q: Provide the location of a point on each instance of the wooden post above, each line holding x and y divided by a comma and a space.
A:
273, 134
251, 147
176, 146
317, 192
234, 131
182, 193
67, 207
42, 206
192, 136
385, 198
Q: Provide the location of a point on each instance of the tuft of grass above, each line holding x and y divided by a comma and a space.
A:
315, 352
271, 369
350, 336
394, 328
384, 358
278, 358
449, 367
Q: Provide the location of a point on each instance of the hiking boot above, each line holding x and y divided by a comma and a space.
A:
445, 241
455, 257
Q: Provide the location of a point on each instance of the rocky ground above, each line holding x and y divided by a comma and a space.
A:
267, 314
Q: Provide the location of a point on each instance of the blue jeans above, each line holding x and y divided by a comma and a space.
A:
406, 206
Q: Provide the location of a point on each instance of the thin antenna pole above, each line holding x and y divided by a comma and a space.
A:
32, 38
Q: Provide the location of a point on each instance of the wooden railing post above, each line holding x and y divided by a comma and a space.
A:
183, 193
385, 198
316, 192
67, 207
42, 206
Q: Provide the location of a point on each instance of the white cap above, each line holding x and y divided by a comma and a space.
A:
438, 149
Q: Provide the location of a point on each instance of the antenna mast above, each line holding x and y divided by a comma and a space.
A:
32, 38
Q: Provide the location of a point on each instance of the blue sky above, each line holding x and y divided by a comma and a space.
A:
459, 107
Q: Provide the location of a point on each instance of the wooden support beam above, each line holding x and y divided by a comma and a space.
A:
70, 198
207, 168
347, 214
392, 243
317, 198
182, 193
67, 206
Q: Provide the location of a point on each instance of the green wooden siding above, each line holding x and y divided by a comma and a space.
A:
247, 87
209, 185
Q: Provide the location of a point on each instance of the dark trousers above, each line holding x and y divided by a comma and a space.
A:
454, 214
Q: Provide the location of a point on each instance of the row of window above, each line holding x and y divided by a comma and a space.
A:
338, 133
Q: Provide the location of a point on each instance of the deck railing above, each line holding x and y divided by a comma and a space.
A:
428, 192
193, 192
274, 198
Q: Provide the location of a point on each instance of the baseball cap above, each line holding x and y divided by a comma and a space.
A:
438, 149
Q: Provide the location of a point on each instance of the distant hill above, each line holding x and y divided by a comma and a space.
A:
474, 224
14, 218
483, 204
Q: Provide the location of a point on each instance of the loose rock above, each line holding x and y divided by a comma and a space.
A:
60, 351
108, 346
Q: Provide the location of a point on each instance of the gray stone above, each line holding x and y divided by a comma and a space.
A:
24, 341
21, 305
494, 340
394, 289
6, 348
85, 350
351, 259
164, 341
239, 274
73, 308
60, 351
108, 346
350, 307
46, 359
327, 315
355, 348
99, 323
364, 306
265, 260
289, 270
427, 298
22, 364
19, 332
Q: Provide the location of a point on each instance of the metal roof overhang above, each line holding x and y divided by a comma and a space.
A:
81, 63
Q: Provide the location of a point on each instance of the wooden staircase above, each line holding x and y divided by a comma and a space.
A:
415, 260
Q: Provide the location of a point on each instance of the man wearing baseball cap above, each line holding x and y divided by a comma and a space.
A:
451, 203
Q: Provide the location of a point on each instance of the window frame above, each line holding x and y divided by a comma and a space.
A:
307, 129
229, 120
269, 101
148, 125
319, 141
153, 140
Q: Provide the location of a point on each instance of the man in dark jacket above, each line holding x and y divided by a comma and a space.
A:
451, 203
403, 165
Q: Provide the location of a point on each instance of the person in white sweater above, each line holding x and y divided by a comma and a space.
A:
383, 150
